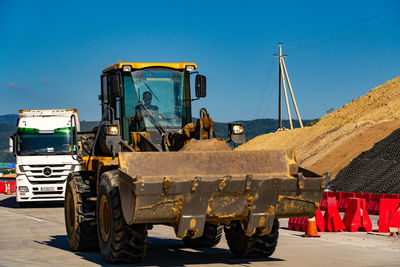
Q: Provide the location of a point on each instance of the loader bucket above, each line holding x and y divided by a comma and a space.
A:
208, 182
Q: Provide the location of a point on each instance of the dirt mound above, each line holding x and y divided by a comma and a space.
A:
379, 104
338, 137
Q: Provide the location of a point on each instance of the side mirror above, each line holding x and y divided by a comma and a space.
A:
200, 86
104, 90
74, 136
12, 144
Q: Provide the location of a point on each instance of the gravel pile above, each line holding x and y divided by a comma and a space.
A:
374, 171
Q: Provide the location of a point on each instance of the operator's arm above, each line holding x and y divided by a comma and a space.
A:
156, 112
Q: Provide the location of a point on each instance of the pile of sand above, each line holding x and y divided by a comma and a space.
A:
340, 136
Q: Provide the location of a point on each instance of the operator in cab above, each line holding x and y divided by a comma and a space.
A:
143, 111
152, 109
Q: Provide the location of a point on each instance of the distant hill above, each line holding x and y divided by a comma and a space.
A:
6, 130
9, 119
256, 127
87, 126
253, 129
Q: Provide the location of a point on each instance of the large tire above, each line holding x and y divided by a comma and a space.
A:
119, 242
80, 218
211, 237
254, 246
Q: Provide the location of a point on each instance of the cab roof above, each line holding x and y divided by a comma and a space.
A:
120, 64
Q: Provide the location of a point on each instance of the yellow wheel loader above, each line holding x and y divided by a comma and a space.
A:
147, 163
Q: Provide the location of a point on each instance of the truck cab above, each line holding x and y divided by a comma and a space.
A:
46, 152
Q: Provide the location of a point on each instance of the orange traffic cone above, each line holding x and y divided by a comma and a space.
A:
8, 189
311, 230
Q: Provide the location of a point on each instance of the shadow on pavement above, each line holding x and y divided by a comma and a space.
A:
10, 202
164, 252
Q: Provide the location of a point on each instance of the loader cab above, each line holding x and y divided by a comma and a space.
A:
141, 97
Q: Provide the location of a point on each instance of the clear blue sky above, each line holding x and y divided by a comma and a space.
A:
52, 52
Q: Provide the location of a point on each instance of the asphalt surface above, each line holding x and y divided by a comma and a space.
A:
36, 237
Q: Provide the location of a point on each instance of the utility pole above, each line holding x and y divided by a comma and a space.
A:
280, 86
282, 74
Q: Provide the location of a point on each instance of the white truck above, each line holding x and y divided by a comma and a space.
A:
45, 148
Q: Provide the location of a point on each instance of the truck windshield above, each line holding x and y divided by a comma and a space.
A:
34, 142
154, 94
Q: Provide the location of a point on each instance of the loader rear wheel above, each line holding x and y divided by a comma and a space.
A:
254, 246
80, 218
119, 242
211, 237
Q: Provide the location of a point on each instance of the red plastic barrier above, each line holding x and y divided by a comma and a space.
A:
319, 220
333, 221
367, 197
390, 196
322, 204
374, 204
372, 200
298, 224
388, 208
358, 195
13, 187
342, 203
356, 216
2, 188
395, 221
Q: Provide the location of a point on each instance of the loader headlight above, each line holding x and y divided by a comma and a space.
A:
127, 68
112, 130
236, 129
236, 133
190, 68
23, 189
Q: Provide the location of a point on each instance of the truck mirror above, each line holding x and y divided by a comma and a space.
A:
74, 136
200, 86
11, 145
104, 90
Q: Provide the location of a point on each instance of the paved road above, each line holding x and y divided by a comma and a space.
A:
36, 237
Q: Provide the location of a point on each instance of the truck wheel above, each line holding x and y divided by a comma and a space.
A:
80, 218
211, 237
119, 242
254, 246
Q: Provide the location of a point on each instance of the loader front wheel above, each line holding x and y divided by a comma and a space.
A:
211, 237
80, 218
119, 242
254, 246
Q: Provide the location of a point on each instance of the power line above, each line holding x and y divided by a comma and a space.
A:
344, 26
268, 106
264, 90
346, 36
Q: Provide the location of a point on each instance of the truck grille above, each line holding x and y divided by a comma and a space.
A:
47, 173
43, 166
47, 182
